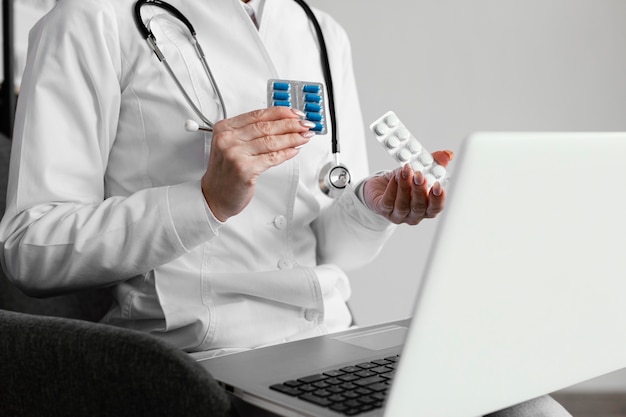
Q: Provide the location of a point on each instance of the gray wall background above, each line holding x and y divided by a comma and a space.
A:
452, 67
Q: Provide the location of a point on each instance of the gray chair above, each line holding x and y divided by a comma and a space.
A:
56, 361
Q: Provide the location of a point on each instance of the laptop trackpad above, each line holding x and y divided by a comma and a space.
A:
376, 339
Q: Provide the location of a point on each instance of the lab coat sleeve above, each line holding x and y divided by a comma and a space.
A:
59, 232
348, 233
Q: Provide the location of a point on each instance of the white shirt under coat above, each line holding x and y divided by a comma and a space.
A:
96, 104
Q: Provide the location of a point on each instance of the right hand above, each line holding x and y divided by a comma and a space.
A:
242, 148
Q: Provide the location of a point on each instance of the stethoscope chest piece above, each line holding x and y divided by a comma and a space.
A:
333, 179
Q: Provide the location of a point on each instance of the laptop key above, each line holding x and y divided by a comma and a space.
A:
348, 377
322, 393
335, 389
379, 396
312, 378
333, 381
381, 369
337, 398
340, 408
378, 387
351, 394
364, 374
369, 381
366, 365
294, 392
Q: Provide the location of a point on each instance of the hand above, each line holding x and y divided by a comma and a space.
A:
402, 196
245, 146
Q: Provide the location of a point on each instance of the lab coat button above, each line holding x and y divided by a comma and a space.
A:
280, 222
285, 264
310, 315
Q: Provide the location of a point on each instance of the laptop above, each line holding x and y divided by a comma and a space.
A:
523, 293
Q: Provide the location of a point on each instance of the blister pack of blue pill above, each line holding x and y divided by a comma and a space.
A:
406, 149
305, 96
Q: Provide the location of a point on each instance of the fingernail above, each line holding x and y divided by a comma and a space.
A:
418, 178
405, 174
299, 113
450, 154
307, 124
437, 189
308, 134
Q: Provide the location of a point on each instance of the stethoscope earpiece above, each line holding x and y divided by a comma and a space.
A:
333, 179
193, 126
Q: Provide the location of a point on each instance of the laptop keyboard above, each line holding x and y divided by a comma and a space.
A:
350, 390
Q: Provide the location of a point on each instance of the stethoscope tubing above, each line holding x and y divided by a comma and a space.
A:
334, 177
150, 38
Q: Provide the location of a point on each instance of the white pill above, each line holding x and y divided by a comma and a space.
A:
425, 158
381, 129
417, 166
414, 146
392, 142
392, 120
430, 180
404, 155
403, 134
438, 171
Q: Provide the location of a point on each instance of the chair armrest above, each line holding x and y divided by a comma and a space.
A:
57, 366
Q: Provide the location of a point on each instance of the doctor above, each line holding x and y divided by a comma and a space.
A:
214, 242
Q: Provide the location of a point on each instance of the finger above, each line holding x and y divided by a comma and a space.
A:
436, 200
388, 198
443, 157
272, 128
402, 203
280, 140
264, 115
419, 198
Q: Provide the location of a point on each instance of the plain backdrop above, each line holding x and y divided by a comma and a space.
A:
452, 67
449, 68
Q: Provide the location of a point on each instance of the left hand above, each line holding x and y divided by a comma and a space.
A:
401, 195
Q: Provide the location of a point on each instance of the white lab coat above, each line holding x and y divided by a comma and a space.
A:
104, 181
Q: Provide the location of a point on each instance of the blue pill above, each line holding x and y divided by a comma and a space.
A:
314, 117
312, 98
282, 86
312, 107
280, 95
282, 103
311, 88
318, 127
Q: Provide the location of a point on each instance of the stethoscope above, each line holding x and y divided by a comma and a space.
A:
334, 177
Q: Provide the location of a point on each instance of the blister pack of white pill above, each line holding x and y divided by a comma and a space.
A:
305, 96
406, 149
